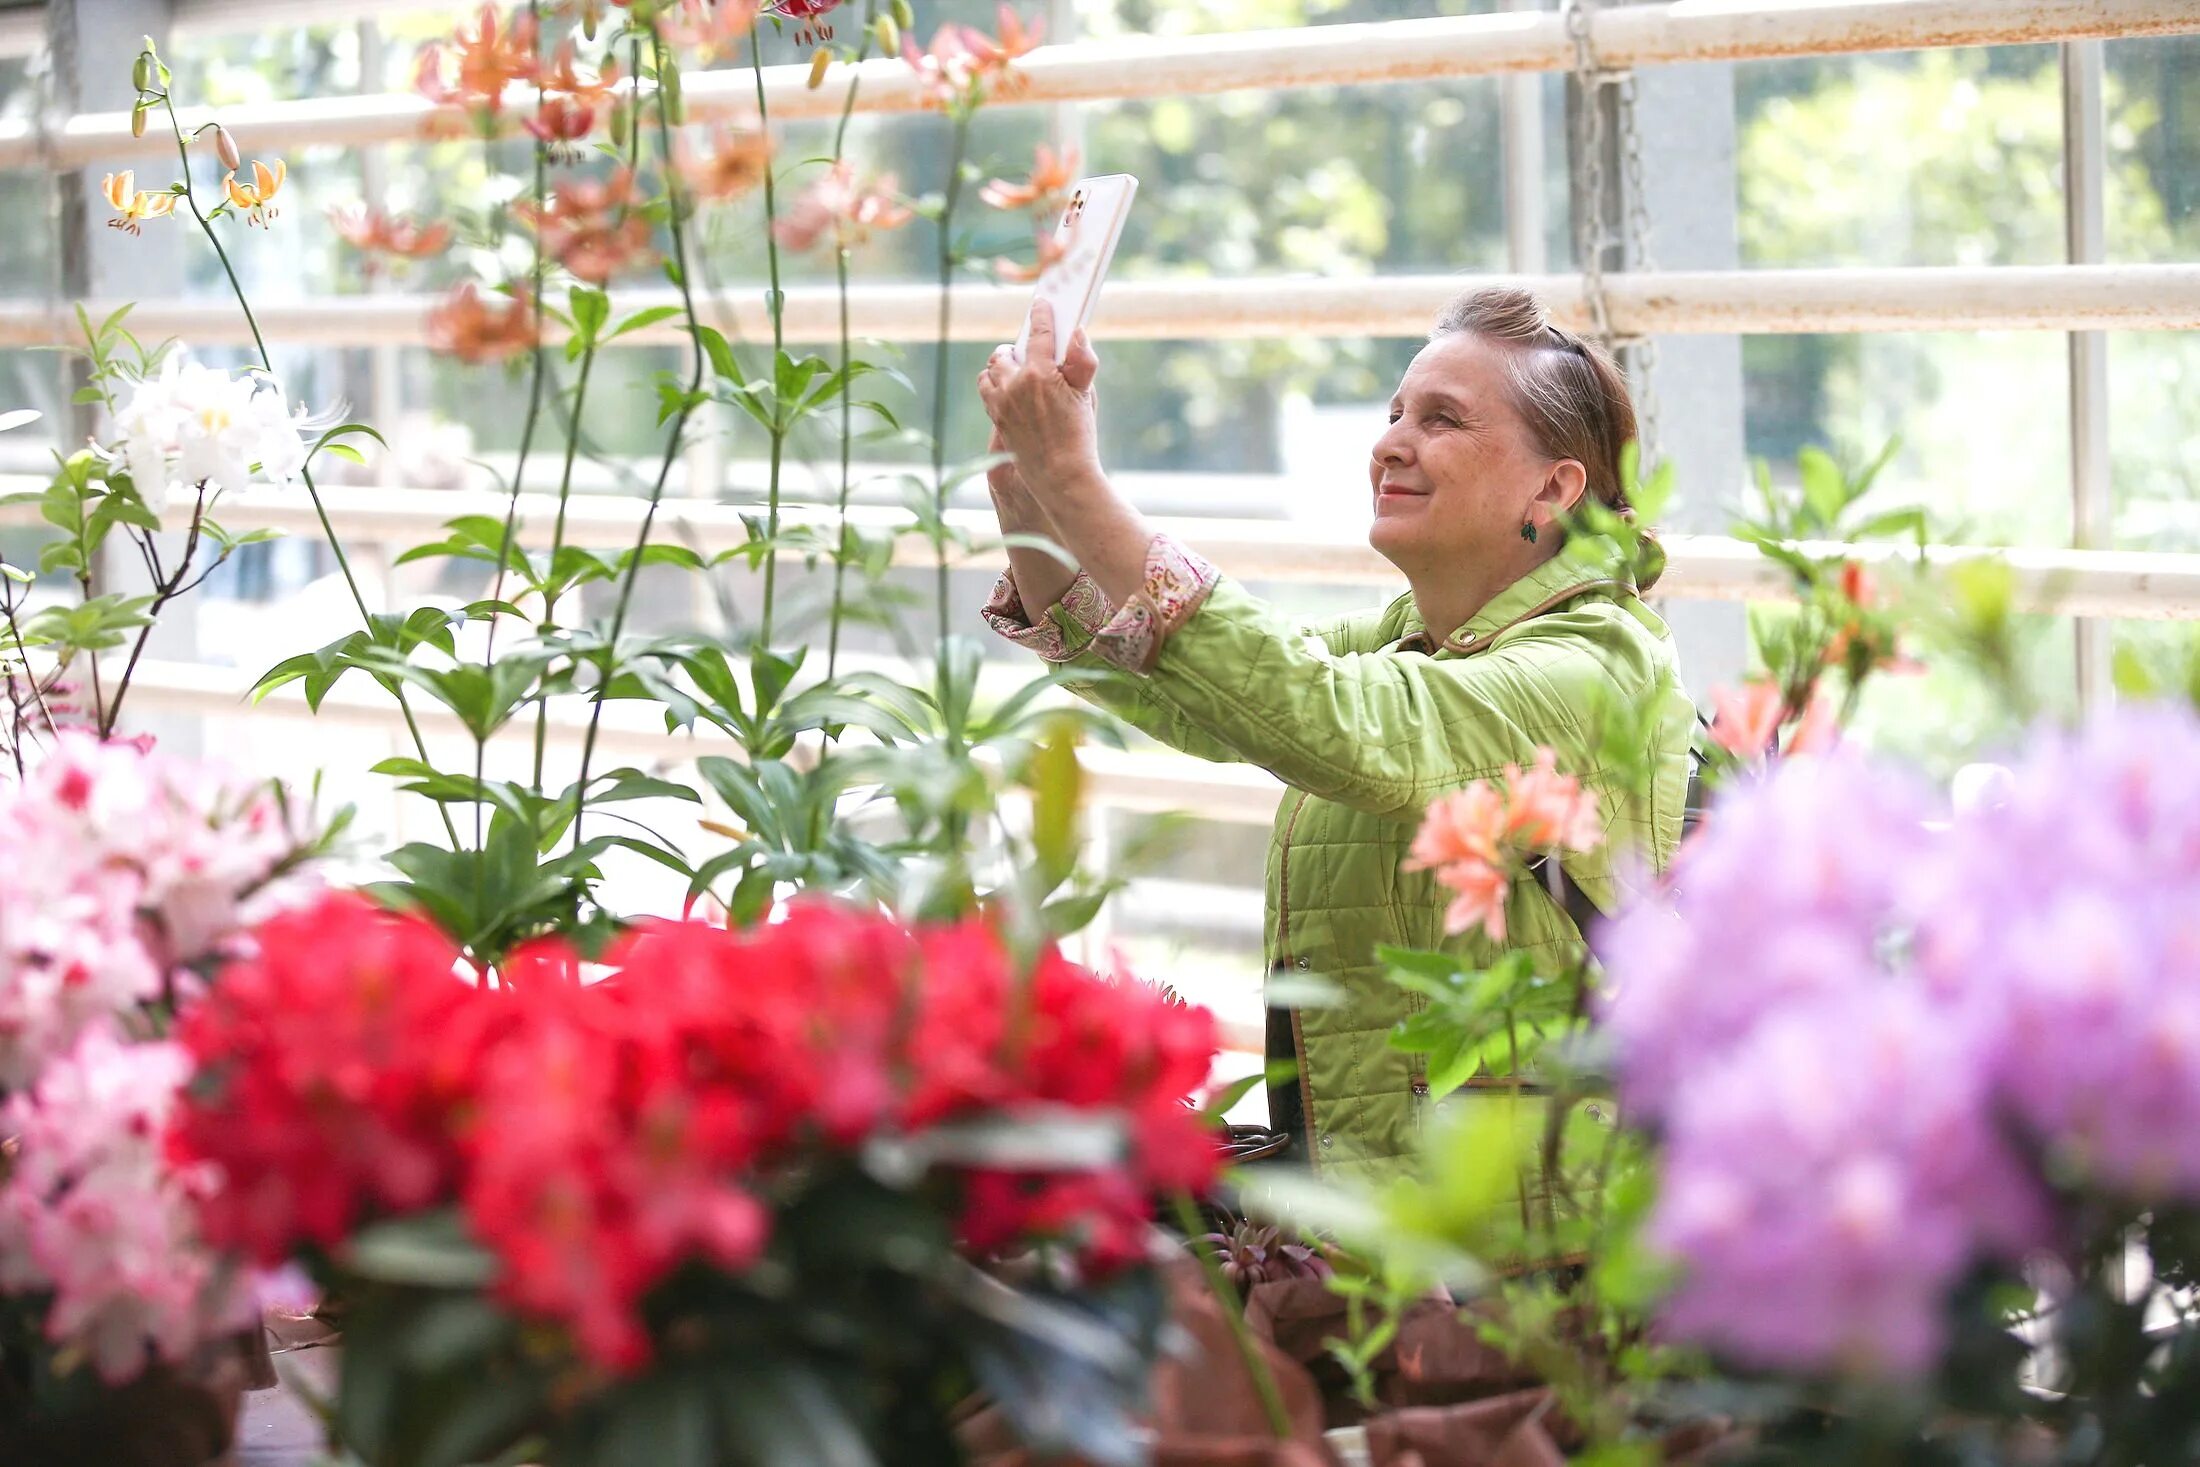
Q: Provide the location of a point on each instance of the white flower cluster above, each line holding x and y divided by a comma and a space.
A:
196, 424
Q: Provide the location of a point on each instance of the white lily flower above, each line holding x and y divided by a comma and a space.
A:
194, 424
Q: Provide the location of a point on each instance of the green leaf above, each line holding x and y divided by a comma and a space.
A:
1824, 490
434, 1249
590, 309
642, 318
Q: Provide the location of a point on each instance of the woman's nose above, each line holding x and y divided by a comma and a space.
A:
1392, 448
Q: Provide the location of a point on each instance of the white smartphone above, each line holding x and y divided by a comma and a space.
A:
1086, 235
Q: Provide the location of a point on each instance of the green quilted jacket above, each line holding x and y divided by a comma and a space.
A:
1367, 719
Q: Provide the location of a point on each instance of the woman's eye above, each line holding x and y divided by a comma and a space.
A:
1394, 417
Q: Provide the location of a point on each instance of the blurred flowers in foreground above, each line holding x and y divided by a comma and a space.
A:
472, 69
145, 868
595, 1137
1880, 1057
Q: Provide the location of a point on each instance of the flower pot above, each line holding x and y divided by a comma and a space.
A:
167, 1417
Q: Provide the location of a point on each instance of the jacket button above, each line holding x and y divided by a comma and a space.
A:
1305, 963
1328, 1141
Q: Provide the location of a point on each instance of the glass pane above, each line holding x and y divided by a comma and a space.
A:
1983, 418
2153, 423
1913, 158
2153, 183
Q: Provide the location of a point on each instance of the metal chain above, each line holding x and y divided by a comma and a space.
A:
1594, 232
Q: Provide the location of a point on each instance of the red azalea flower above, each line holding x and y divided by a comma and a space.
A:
334, 1056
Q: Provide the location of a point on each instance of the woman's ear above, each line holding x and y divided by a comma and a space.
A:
1562, 488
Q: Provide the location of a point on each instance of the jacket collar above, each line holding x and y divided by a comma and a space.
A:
1585, 563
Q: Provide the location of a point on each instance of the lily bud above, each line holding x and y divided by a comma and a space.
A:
904, 17
225, 148
141, 75
818, 63
888, 35
137, 120
668, 89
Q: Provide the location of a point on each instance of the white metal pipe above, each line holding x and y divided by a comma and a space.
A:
2110, 583
1366, 53
2085, 228
1715, 302
22, 31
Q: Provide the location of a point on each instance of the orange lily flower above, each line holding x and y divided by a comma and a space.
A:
132, 204
470, 328
1051, 176
564, 76
372, 233
735, 164
950, 70
473, 68
595, 228
998, 55
810, 13
256, 200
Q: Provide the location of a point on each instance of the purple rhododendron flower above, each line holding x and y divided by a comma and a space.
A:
1873, 1050
1830, 1178
1786, 894
2066, 925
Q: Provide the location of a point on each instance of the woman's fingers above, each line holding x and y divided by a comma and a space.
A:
1082, 364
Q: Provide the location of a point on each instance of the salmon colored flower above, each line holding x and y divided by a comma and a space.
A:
735, 163
1466, 826
473, 68
565, 78
1050, 250
1748, 718
255, 200
950, 70
594, 227
471, 328
373, 233
562, 123
836, 204
711, 28
1051, 176
1546, 810
1818, 730
1478, 899
132, 204
998, 55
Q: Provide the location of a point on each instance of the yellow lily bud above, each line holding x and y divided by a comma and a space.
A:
904, 17
137, 120
818, 63
888, 34
141, 74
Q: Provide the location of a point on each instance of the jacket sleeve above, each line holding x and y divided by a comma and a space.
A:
1067, 634
1381, 732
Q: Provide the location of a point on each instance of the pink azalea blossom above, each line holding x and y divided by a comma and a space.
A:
93, 1213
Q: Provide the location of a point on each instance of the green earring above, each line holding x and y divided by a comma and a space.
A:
1527, 531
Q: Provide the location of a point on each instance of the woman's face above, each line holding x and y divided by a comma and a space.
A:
1454, 474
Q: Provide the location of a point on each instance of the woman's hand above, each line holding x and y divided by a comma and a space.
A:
1046, 415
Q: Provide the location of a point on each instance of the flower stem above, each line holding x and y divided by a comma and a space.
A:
672, 443
305, 473
1233, 1313
536, 374
940, 365
847, 403
779, 307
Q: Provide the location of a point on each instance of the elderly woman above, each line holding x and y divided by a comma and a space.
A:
1501, 424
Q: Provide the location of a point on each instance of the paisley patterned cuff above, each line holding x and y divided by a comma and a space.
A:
1177, 583
1082, 603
